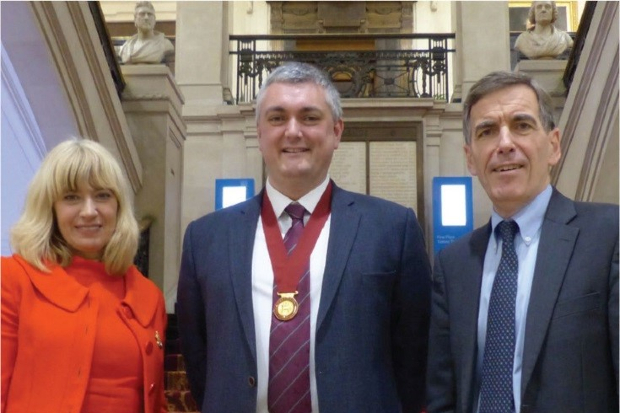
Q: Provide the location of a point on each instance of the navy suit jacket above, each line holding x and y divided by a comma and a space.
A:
372, 326
570, 354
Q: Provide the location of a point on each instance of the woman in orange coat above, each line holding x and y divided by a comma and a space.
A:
82, 329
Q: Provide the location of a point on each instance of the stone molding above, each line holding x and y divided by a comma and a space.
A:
591, 110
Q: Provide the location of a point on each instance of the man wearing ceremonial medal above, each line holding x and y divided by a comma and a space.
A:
305, 298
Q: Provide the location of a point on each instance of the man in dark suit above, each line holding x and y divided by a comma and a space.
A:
525, 309
364, 316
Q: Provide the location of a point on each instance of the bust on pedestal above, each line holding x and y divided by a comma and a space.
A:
544, 40
146, 46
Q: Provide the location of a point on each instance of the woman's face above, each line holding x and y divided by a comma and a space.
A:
87, 219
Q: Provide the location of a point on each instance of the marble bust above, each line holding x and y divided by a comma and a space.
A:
147, 45
544, 40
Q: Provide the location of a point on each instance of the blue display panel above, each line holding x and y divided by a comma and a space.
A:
229, 192
453, 214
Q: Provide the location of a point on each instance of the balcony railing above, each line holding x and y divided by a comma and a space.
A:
398, 65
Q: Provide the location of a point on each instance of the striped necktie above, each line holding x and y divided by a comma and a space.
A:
289, 342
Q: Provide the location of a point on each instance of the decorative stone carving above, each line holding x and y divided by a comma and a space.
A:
308, 17
385, 16
341, 13
299, 16
544, 40
147, 45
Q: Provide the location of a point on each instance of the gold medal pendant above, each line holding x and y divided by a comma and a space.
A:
286, 307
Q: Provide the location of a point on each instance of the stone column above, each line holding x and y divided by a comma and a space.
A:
152, 103
482, 41
202, 60
221, 138
482, 46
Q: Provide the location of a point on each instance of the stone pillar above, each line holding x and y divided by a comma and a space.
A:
482, 41
482, 46
152, 103
548, 73
221, 138
202, 60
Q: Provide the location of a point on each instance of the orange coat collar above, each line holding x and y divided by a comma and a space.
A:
140, 296
70, 294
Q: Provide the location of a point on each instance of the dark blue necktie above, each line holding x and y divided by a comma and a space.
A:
496, 395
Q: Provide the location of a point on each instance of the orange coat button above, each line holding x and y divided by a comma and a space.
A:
128, 312
149, 347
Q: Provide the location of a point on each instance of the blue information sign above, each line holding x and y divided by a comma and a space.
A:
453, 214
232, 191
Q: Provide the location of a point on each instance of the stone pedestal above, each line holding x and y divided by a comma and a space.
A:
152, 103
548, 73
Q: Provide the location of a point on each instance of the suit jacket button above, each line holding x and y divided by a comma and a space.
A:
251, 381
128, 312
151, 388
149, 347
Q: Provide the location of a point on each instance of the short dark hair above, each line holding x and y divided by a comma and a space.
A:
499, 80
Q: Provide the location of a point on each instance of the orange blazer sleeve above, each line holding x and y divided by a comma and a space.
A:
11, 280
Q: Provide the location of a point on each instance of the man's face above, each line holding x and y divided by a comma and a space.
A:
543, 12
510, 152
145, 19
297, 136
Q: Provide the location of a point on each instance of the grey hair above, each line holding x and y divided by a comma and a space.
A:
499, 80
297, 72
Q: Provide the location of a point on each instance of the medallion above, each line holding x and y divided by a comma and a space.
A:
286, 307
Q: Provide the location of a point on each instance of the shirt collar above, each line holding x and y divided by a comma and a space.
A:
529, 218
279, 201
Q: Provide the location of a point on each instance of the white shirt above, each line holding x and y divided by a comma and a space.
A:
262, 286
530, 220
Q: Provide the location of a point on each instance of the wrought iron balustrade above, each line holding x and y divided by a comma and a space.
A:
400, 65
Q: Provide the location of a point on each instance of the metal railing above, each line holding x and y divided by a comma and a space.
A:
398, 65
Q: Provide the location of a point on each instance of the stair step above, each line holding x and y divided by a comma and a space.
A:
180, 401
173, 346
174, 362
176, 380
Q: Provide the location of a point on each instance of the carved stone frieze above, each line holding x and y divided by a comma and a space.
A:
307, 17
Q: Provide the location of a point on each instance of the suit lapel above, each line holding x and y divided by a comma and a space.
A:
242, 231
343, 228
557, 241
469, 293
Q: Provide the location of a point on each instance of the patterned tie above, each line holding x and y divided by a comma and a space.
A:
496, 395
289, 342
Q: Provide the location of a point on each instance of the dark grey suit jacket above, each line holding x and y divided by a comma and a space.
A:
570, 355
372, 326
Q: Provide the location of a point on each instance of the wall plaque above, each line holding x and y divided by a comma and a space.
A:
348, 168
393, 172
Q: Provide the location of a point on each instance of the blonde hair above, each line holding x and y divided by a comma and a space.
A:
36, 236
